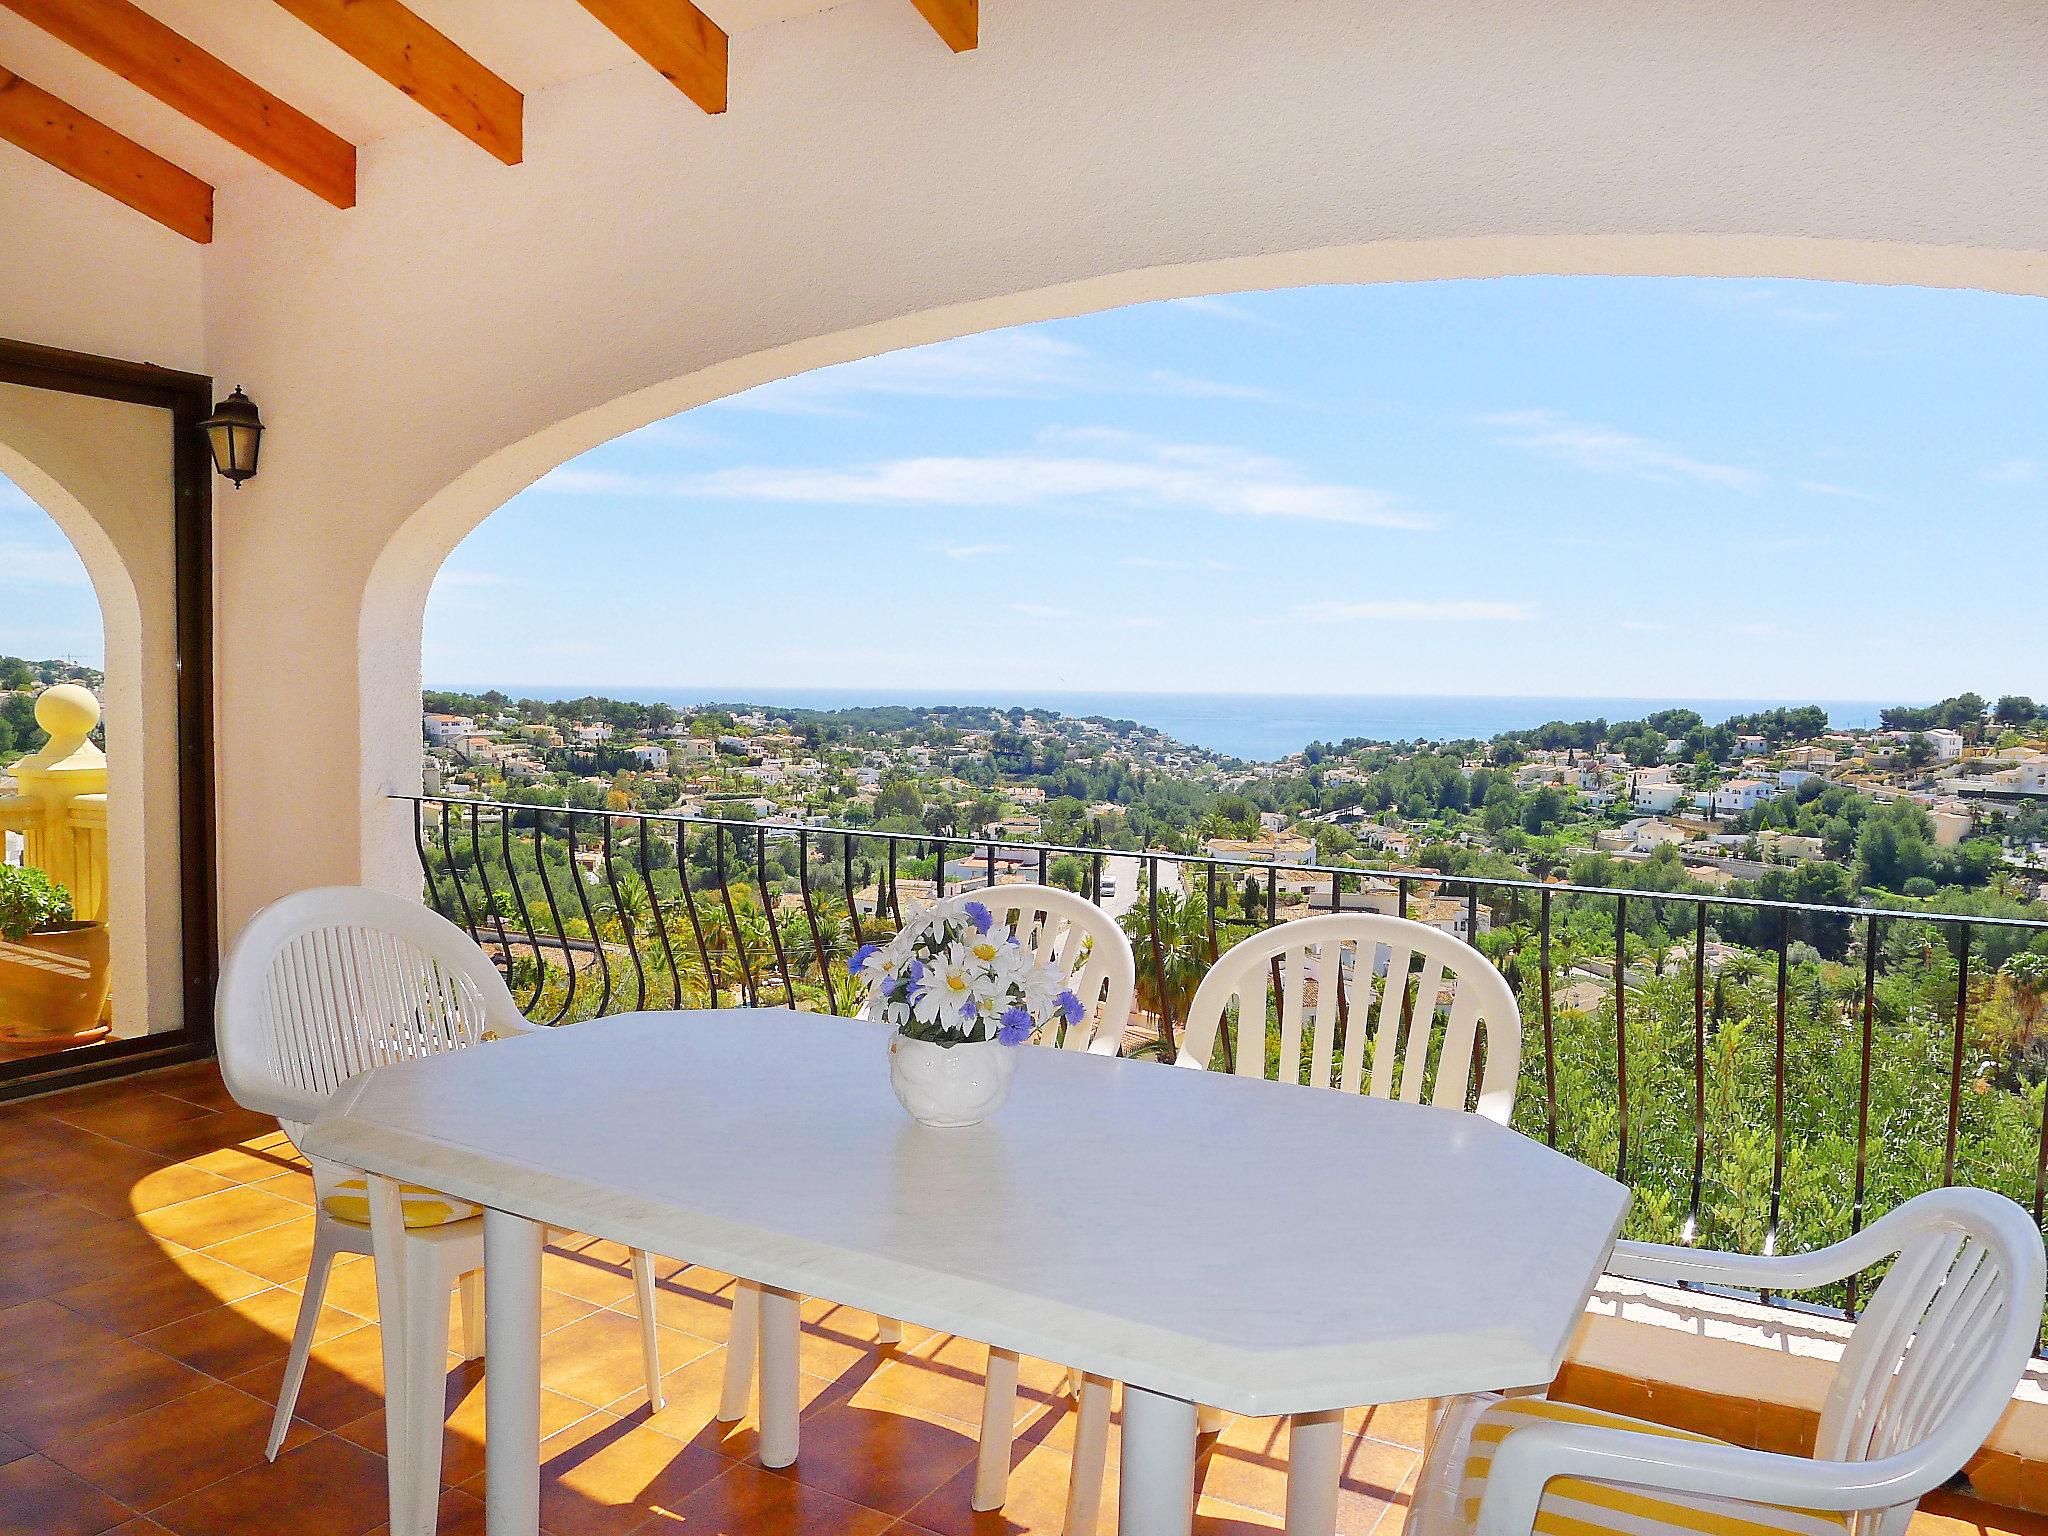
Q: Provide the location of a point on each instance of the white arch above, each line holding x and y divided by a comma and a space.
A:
395, 595
121, 702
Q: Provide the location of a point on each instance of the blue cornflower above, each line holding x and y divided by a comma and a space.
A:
978, 915
1070, 1007
1016, 1028
860, 958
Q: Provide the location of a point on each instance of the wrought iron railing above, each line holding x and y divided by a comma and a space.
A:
1765, 1075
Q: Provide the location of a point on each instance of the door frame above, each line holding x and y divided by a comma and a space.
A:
188, 397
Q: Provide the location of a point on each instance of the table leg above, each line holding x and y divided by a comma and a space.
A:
1315, 1462
1156, 1493
387, 1248
511, 1375
780, 1327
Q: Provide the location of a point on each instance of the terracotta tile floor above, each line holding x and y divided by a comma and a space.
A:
153, 1239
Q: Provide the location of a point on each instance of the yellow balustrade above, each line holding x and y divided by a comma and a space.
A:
60, 801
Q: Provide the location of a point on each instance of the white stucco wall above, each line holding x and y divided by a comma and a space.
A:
81, 271
468, 325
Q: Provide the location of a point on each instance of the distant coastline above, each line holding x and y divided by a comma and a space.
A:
1256, 727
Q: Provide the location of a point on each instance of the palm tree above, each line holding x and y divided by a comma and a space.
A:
1166, 991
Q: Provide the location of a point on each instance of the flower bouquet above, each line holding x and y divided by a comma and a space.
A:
958, 995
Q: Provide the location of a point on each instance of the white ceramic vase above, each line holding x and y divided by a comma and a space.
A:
950, 1084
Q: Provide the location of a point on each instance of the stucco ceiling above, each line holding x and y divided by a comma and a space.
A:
533, 44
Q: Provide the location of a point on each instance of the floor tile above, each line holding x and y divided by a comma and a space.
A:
880, 1455
344, 1379
279, 1254
116, 1380
235, 1339
691, 1396
40, 1498
326, 1487
212, 1219
121, 1113
746, 1501
178, 1285
179, 1448
36, 1335
462, 1442
1036, 1503
597, 1358
605, 1477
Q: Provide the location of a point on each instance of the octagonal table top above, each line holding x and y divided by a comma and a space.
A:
1260, 1247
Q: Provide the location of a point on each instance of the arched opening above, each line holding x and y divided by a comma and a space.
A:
70, 654
94, 792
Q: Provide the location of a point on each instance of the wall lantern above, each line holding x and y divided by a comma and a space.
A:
234, 432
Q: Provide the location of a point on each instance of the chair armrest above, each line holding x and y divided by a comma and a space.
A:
1774, 1272
1533, 1454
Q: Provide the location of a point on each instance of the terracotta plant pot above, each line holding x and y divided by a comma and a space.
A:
54, 983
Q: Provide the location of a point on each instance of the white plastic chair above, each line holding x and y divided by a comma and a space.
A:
1926, 1374
1083, 942
1341, 954
1325, 971
325, 984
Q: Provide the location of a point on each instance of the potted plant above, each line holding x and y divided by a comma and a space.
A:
53, 971
959, 996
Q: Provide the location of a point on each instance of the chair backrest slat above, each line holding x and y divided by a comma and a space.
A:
1073, 935
1462, 1009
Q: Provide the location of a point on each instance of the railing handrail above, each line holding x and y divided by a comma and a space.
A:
1399, 876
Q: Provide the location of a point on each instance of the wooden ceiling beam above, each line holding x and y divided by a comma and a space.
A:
54, 131
957, 21
149, 55
394, 43
684, 45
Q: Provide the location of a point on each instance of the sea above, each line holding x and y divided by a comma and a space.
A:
1258, 727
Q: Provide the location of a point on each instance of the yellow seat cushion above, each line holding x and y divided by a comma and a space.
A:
1574, 1506
350, 1202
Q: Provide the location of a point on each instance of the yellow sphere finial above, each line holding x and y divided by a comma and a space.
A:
67, 711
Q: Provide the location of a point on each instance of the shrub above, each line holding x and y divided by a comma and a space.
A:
30, 899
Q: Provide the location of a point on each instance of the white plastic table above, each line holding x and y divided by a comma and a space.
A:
1200, 1237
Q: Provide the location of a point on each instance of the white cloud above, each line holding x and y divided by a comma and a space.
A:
41, 565
2016, 472
1773, 303
1226, 309
972, 551
1829, 488
1192, 387
1404, 611
1128, 474
1609, 451
992, 366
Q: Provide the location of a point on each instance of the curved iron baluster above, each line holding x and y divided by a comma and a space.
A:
547, 885
540, 964
455, 876
1699, 1068
895, 895
939, 870
483, 874
1621, 1033
768, 911
611, 880
668, 950
1863, 1105
419, 841
1549, 1039
803, 876
1778, 1083
852, 897
732, 918
1955, 1069
1166, 1022
690, 906
604, 964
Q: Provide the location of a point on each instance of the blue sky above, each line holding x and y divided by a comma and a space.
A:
1686, 488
